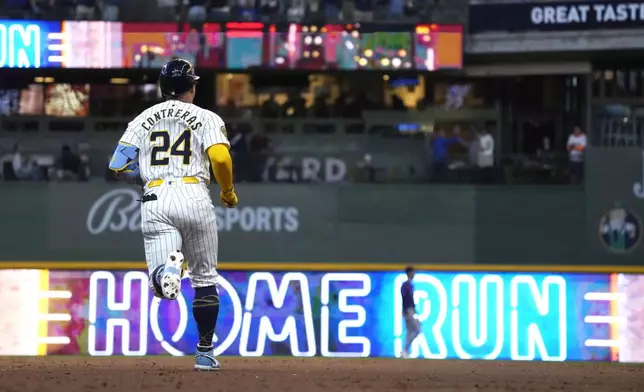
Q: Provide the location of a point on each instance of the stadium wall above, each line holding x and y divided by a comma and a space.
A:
414, 224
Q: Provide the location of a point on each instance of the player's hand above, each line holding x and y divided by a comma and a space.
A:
228, 198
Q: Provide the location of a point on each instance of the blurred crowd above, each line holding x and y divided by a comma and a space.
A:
299, 10
471, 157
458, 156
347, 105
200, 11
107, 10
68, 165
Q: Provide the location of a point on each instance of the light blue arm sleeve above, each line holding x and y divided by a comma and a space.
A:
125, 160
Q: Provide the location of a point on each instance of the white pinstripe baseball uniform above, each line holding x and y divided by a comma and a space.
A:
172, 138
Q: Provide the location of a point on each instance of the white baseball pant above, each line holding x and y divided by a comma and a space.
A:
182, 218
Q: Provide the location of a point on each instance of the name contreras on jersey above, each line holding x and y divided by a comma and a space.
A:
167, 113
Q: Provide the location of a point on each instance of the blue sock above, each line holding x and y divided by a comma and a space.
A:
205, 309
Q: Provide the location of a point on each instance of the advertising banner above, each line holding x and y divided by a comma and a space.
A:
556, 16
614, 205
229, 46
313, 223
273, 223
510, 316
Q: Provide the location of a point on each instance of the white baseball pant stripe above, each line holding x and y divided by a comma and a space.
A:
182, 218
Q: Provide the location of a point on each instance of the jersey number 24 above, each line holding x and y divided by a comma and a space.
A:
181, 147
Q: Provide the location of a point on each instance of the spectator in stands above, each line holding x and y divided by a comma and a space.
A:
576, 151
332, 9
23, 167
260, 150
295, 106
110, 9
68, 166
19, 8
353, 108
245, 9
546, 156
439, 152
363, 10
366, 169
397, 103
169, 9
473, 152
270, 107
282, 169
485, 161
546, 162
239, 152
219, 10
52, 9
270, 110
320, 108
397, 8
197, 12
268, 9
86, 9
84, 171
418, 8
296, 11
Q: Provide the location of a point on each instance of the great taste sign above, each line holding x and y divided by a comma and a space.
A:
556, 16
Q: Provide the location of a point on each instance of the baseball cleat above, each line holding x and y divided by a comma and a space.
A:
404, 354
205, 361
171, 277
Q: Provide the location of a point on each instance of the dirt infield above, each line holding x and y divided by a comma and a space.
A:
160, 374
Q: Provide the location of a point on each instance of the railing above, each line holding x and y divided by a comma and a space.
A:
618, 129
392, 140
370, 122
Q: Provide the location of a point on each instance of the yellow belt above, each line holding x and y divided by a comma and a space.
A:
185, 180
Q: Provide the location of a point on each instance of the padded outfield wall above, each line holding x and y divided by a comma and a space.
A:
415, 224
598, 224
523, 273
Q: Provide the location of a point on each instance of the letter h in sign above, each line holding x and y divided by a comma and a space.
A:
127, 310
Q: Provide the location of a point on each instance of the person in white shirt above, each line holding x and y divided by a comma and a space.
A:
576, 152
23, 168
482, 153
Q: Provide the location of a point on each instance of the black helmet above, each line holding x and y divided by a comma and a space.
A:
177, 77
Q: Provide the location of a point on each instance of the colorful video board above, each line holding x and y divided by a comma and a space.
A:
229, 46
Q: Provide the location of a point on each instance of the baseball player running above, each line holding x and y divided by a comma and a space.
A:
170, 146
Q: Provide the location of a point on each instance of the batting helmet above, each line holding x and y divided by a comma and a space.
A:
177, 77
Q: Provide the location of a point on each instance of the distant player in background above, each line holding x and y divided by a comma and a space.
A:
412, 325
173, 145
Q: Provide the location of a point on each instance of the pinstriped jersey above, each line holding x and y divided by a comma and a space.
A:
172, 138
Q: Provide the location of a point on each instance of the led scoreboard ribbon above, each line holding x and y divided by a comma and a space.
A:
30, 44
231, 46
527, 316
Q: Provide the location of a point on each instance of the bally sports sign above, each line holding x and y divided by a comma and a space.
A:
119, 210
